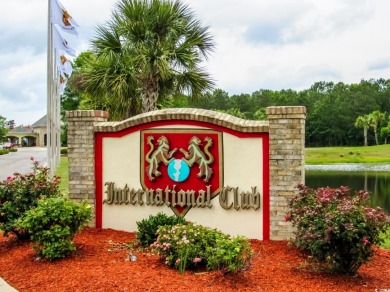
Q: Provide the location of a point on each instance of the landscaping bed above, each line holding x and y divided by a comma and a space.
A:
101, 263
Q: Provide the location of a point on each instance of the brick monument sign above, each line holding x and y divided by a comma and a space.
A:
211, 168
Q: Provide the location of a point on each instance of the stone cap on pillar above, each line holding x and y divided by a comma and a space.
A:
87, 114
286, 112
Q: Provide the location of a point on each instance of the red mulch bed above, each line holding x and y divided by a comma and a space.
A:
99, 265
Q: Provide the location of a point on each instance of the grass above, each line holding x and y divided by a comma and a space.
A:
359, 154
62, 171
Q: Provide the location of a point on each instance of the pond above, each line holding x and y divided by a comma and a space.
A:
372, 177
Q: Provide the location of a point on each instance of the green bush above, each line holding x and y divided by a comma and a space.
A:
20, 192
385, 236
4, 151
13, 150
147, 228
193, 246
336, 227
53, 225
230, 254
64, 150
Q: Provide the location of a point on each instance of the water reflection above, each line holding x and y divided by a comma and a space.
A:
372, 177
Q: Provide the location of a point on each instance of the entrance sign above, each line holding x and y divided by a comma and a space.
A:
209, 174
211, 168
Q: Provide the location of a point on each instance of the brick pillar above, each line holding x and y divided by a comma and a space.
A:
287, 164
81, 153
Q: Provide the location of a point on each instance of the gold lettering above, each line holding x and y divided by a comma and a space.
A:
118, 196
133, 195
126, 194
236, 206
140, 192
208, 203
159, 197
245, 200
223, 198
149, 197
191, 198
173, 197
201, 199
109, 192
255, 199
167, 201
229, 197
181, 198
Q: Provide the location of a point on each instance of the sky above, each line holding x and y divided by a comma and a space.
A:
267, 44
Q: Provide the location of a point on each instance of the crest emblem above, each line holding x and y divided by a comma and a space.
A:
65, 18
185, 162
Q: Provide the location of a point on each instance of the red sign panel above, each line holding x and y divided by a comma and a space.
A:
182, 163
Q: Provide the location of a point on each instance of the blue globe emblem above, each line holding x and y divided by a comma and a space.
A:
178, 170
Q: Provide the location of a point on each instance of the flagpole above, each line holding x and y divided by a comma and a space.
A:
49, 86
55, 42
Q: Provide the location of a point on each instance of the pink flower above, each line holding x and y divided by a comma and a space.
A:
365, 240
178, 261
197, 260
287, 218
31, 158
9, 178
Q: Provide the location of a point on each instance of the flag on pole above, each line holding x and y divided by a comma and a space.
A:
63, 63
60, 16
61, 44
62, 83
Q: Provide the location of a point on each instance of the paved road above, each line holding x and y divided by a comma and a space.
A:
20, 161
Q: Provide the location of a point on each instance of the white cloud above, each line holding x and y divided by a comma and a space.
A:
270, 44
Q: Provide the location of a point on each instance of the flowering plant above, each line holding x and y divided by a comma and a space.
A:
336, 227
147, 228
20, 192
191, 246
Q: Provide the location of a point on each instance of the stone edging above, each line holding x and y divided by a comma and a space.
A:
186, 114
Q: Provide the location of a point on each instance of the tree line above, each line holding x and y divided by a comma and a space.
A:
332, 109
335, 111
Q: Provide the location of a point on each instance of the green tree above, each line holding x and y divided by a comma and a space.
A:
385, 132
3, 129
149, 50
376, 118
10, 124
363, 122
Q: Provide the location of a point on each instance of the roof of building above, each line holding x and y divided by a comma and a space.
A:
21, 129
40, 123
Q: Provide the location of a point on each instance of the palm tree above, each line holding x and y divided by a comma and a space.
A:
385, 132
363, 122
148, 51
376, 118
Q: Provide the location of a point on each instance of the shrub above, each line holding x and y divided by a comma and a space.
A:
64, 150
336, 227
53, 225
230, 254
19, 193
13, 150
4, 151
193, 246
147, 228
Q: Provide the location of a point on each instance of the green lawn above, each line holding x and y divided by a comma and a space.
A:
62, 171
328, 155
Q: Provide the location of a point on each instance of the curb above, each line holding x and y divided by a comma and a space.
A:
4, 287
